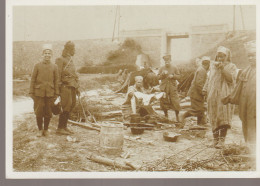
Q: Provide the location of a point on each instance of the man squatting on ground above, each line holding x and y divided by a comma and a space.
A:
44, 89
244, 95
68, 85
128, 107
219, 84
195, 93
168, 75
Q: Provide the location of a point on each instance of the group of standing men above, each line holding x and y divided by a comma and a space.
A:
50, 81
215, 82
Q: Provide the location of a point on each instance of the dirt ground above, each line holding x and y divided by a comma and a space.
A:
147, 152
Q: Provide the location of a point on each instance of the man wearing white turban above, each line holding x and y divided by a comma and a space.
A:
220, 83
44, 89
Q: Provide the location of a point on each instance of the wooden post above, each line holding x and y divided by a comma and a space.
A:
234, 18
242, 17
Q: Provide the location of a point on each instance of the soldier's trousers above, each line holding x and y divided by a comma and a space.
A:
42, 106
68, 102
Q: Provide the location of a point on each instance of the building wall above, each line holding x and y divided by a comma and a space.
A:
206, 37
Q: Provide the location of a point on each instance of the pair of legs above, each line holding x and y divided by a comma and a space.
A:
170, 102
176, 114
68, 102
42, 109
197, 109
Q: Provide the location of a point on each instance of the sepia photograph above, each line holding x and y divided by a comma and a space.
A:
131, 90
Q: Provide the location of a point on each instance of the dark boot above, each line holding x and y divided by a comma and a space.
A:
67, 114
46, 126
61, 121
177, 116
39, 121
215, 138
66, 118
62, 124
165, 113
46, 123
185, 115
222, 137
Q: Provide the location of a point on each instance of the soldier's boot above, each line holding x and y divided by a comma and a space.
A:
46, 126
62, 124
39, 121
184, 116
66, 118
222, 137
215, 138
177, 116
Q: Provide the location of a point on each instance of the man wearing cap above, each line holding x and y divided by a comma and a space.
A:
244, 95
44, 89
68, 84
168, 75
195, 92
220, 83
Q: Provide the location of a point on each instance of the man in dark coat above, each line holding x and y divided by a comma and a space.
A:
244, 95
44, 89
168, 75
195, 92
69, 85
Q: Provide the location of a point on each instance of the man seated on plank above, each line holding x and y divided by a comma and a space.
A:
137, 98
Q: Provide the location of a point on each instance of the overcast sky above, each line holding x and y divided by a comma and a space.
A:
42, 23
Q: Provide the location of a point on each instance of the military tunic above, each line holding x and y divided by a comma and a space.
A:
68, 82
169, 86
44, 87
195, 92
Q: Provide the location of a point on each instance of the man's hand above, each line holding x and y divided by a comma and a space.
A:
220, 65
130, 95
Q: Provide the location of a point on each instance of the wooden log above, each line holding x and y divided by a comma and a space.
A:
138, 141
110, 162
84, 125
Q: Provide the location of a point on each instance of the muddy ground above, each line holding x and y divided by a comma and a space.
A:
147, 152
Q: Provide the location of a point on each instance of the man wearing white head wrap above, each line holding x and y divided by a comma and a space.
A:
244, 95
220, 83
127, 107
196, 94
44, 89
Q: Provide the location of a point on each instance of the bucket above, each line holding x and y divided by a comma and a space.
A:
111, 137
135, 118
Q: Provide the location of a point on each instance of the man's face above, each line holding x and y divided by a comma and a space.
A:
72, 51
252, 58
221, 57
206, 66
139, 83
47, 54
167, 61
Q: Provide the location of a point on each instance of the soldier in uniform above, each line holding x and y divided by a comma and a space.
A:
69, 86
44, 89
168, 75
196, 95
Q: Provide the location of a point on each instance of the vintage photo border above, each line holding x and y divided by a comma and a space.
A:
52, 175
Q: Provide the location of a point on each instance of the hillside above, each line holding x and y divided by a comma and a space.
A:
27, 53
